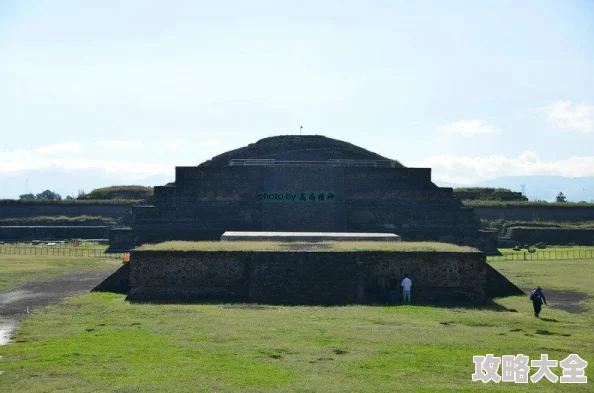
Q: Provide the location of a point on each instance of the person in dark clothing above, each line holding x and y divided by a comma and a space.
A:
538, 298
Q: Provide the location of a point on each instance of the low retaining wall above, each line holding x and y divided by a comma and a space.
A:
522, 236
53, 232
305, 277
544, 213
62, 208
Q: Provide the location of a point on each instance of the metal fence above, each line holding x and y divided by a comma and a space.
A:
543, 255
59, 251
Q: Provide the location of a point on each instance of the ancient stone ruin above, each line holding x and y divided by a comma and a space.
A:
301, 183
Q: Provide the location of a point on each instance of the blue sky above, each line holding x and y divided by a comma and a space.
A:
473, 89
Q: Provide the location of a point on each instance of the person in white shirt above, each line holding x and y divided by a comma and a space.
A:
406, 284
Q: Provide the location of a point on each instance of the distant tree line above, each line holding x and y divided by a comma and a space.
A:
45, 195
105, 193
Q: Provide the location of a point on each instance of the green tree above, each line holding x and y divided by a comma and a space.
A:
561, 198
50, 195
29, 196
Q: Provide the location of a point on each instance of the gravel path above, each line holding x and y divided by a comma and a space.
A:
27, 298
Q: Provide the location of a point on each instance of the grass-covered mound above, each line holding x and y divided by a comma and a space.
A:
345, 246
297, 147
488, 193
119, 192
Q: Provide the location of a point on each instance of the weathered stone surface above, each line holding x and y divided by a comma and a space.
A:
53, 232
326, 196
498, 285
118, 282
9, 210
305, 277
580, 236
529, 213
296, 147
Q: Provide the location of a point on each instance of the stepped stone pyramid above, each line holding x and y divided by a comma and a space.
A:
305, 184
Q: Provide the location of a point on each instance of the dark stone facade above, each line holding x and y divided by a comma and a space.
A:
308, 277
542, 213
525, 235
20, 220
207, 201
52, 232
53, 209
340, 194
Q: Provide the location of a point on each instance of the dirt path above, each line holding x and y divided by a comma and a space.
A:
564, 300
26, 299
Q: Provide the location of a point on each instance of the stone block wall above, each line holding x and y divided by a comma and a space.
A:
305, 277
543, 213
188, 275
207, 201
10, 210
523, 236
27, 233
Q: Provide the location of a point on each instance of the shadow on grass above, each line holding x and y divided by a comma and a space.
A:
488, 305
231, 303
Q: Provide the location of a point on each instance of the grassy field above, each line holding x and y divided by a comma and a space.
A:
16, 270
553, 253
101, 343
574, 274
322, 246
553, 248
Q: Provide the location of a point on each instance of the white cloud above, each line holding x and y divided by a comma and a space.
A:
468, 128
60, 148
564, 114
120, 144
20, 161
468, 169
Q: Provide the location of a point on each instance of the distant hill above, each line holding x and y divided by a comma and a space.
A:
540, 187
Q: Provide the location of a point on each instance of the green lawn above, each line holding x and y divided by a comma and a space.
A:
101, 343
572, 274
324, 246
551, 253
16, 270
551, 248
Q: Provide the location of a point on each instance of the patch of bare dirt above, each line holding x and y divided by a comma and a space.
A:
564, 300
